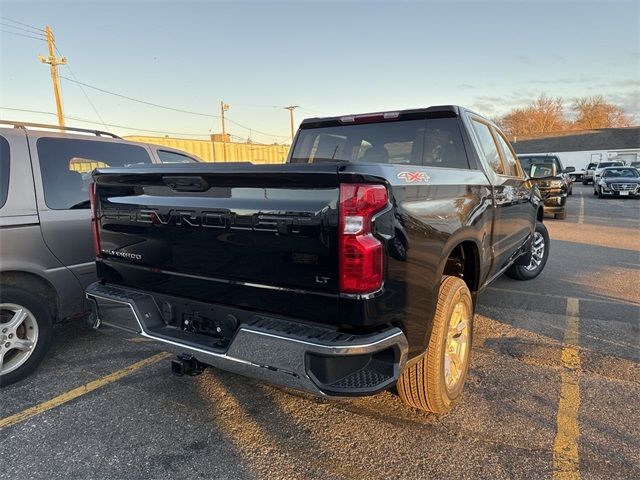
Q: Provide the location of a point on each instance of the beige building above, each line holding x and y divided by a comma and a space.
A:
217, 151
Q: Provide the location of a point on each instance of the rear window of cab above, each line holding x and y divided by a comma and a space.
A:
432, 142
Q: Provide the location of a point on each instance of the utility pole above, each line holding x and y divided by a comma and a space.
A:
54, 62
223, 108
291, 108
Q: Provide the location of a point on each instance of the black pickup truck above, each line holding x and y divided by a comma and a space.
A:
352, 268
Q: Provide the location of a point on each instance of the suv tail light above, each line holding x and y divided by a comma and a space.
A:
361, 254
95, 224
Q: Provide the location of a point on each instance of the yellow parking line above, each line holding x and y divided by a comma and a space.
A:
565, 446
140, 340
581, 214
78, 392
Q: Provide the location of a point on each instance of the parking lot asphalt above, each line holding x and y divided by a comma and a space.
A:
553, 391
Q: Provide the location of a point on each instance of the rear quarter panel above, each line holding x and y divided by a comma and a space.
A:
431, 215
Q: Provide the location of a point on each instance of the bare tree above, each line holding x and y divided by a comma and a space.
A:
544, 115
596, 112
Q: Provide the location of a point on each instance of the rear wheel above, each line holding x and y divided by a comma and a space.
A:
435, 382
25, 334
539, 256
561, 216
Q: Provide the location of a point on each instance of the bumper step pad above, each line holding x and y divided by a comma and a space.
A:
273, 349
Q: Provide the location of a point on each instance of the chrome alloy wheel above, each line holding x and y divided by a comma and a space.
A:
538, 252
456, 353
18, 336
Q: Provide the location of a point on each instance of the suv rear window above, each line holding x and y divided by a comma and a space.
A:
433, 142
610, 164
66, 165
173, 157
4, 170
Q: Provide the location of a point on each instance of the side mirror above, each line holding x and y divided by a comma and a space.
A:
569, 169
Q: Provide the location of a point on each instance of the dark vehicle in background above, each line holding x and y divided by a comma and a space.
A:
46, 258
635, 165
588, 173
618, 182
600, 167
353, 268
552, 179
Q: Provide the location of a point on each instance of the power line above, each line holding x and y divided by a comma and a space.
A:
173, 109
15, 27
106, 124
22, 35
253, 130
20, 23
140, 101
83, 91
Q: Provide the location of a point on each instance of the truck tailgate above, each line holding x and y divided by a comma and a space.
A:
223, 233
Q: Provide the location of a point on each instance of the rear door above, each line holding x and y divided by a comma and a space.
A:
513, 207
62, 172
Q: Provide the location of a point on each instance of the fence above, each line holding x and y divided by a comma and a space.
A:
214, 151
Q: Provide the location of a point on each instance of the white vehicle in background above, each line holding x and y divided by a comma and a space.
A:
588, 173
598, 171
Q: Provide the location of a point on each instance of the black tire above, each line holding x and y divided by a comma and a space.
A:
423, 385
523, 272
585, 182
560, 216
41, 316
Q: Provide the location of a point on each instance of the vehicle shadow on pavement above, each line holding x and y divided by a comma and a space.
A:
310, 437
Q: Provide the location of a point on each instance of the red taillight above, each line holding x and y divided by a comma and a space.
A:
361, 254
95, 223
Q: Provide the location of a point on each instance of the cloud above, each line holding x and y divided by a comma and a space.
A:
566, 80
465, 86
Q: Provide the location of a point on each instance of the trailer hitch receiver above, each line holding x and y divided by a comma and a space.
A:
187, 364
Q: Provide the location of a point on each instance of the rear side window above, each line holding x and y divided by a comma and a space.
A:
431, 142
4, 170
443, 144
66, 166
510, 160
173, 157
488, 146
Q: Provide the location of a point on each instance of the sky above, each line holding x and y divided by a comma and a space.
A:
330, 58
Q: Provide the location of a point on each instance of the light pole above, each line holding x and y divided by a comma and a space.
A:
223, 108
291, 108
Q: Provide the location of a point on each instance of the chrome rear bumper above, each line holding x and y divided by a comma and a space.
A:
314, 359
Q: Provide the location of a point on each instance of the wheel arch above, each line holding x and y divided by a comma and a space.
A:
34, 284
463, 261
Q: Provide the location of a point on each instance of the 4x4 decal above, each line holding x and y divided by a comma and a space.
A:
411, 177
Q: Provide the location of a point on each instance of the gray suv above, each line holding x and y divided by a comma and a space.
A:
46, 254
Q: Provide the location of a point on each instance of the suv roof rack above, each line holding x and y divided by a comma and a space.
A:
24, 125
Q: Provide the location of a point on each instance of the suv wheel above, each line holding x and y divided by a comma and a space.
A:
25, 334
539, 256
435, 382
